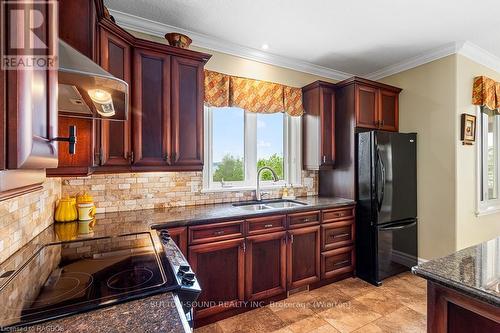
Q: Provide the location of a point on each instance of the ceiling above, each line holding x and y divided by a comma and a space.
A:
356, 37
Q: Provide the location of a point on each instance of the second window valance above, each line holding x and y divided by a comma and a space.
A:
486, 92
223, 90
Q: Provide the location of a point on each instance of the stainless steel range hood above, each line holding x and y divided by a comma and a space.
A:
88, 91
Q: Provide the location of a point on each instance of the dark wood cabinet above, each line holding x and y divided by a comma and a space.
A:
115, 142
187, 112
303, 254
376, 105
337, 262
151, 108
220, 270
265, 260
319, 126
164, 131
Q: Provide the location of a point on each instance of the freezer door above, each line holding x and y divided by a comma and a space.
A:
395, 176
396, 248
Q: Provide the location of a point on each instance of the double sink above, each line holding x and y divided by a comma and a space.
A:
268, 204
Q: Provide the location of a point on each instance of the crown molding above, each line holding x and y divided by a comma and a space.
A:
480, 55
416, 61
158, 29
465, 48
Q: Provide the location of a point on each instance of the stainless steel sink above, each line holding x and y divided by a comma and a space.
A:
268, 204
255, 207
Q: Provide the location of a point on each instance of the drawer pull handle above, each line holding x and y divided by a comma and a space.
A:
339, 235
308, 219
339, 214
341, 263
268, 226
219, 233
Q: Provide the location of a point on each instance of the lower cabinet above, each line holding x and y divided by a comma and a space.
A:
303, 253
265, 261
220, 270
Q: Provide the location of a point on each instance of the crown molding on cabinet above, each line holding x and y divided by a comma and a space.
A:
154, 28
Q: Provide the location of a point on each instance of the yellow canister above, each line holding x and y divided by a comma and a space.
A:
66, 210
85, 206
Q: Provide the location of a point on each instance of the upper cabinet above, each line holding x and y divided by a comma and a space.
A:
164, 131
376, 105
319, 126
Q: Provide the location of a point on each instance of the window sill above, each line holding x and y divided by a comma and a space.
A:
488, 210
246, 188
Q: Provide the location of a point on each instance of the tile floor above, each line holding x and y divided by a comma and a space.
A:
351, 305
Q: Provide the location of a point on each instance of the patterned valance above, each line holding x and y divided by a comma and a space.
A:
486, 92
251, 95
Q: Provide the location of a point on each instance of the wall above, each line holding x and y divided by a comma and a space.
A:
24, 217
471, 229
427, 106
131, 191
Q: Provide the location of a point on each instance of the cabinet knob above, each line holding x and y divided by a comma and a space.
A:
324, 158
165, 158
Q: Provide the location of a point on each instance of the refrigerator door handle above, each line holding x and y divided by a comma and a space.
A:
380, 199
398, 226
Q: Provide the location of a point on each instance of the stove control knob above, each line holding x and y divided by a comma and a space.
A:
164, 236
188, 279
184, 268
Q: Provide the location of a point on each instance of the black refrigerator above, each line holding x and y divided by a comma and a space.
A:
386, 221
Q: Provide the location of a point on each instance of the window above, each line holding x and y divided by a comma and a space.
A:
238, 143
488, 161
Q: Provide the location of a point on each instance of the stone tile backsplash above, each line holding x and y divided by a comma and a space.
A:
133, 191
24, 217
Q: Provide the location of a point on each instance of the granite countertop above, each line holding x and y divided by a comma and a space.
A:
152, 314
193, 215
474, 271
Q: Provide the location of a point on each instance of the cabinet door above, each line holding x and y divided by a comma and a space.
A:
115, 135
303, 253
151, 108
220, 270
187, 112
265, 260
366, 105
179, 236
388, 110
327, 98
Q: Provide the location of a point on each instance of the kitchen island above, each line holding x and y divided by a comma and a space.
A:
463, 290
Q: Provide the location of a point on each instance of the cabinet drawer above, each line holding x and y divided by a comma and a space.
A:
299, 220
338, 214
215, 232
266, 224
336, 262
337, 234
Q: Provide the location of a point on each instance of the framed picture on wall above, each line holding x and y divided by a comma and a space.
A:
468, 129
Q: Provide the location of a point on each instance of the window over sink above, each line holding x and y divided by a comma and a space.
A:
238, 143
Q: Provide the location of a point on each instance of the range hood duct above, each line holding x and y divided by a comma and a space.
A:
88, 91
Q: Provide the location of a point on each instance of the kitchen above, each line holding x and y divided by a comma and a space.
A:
237, 190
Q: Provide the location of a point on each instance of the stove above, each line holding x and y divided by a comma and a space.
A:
71, 277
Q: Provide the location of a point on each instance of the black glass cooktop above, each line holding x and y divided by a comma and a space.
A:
70, 277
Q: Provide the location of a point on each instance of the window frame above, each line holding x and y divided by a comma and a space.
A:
292, 155
486, 206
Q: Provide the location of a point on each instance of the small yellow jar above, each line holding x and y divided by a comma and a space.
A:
85, 206
66, 210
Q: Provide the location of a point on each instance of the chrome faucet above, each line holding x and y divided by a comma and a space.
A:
257, 190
